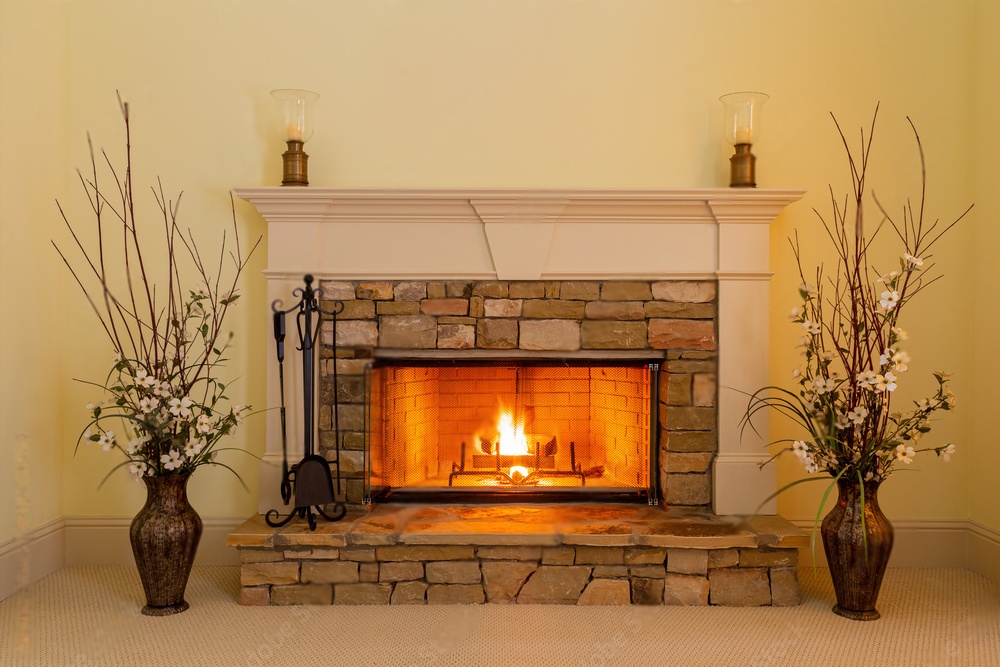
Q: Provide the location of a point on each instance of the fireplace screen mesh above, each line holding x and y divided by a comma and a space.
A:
501, 426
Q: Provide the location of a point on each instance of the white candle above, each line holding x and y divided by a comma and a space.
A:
743, 135
294, 132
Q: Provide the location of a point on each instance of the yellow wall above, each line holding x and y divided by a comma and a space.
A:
481, 93
33, 170
985, 317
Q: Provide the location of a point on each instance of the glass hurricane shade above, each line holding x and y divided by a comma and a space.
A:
297, 112
742, 116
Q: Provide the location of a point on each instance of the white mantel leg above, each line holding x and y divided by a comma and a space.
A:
740, 485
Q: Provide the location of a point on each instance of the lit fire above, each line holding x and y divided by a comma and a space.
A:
511, 440
511, 435
517, 473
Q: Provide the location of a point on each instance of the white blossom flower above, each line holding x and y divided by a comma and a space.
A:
87, 432
133, 447
885, 382
147, 404
107, 440
204, 424
889, 299
841, 422
821, 386
800, 449
181, 407
866, 378
827, 355
912, 261
901, 359
889, 277
858, 414
143, 379
949, 400
163, 390
900, 334
89, 407
137, 469
117, 358
173, 460
239, 412
796, 372
905, 454
947, 452
808, 289
812, 328
193, 447
885, 357
795, 314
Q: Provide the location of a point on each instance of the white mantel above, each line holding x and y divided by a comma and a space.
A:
520, 234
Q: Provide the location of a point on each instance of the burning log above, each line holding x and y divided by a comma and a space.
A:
596, 471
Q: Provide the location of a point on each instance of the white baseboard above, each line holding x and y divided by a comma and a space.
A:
930, 543
26, 559
93, 541
105, 541
984, 551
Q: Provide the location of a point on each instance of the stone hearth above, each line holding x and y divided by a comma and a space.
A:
522, 554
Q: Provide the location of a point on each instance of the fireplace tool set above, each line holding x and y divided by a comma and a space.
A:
310, 481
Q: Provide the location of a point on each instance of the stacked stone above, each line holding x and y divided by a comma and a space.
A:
678, 317
580, 575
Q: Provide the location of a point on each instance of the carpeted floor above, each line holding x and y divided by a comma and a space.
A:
89, 617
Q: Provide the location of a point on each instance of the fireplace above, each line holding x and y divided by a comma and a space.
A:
533, 346
513, 429
680, 275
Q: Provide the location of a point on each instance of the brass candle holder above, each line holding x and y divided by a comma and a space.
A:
742, 121
295, 164
742, 168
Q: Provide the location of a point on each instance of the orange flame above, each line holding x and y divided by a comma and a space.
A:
512, 439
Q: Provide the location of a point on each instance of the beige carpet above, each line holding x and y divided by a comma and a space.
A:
89, 616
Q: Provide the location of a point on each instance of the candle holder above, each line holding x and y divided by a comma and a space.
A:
297, 124
742, 121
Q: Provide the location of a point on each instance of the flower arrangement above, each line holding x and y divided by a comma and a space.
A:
852, 344
163, 388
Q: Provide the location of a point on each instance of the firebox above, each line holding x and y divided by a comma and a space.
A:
520, 429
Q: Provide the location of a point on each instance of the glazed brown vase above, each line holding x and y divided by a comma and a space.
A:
164, 537
857, 576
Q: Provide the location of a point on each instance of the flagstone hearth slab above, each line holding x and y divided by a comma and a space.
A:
528, 525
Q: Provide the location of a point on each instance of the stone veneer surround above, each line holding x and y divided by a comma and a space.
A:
468, 235
674, 319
